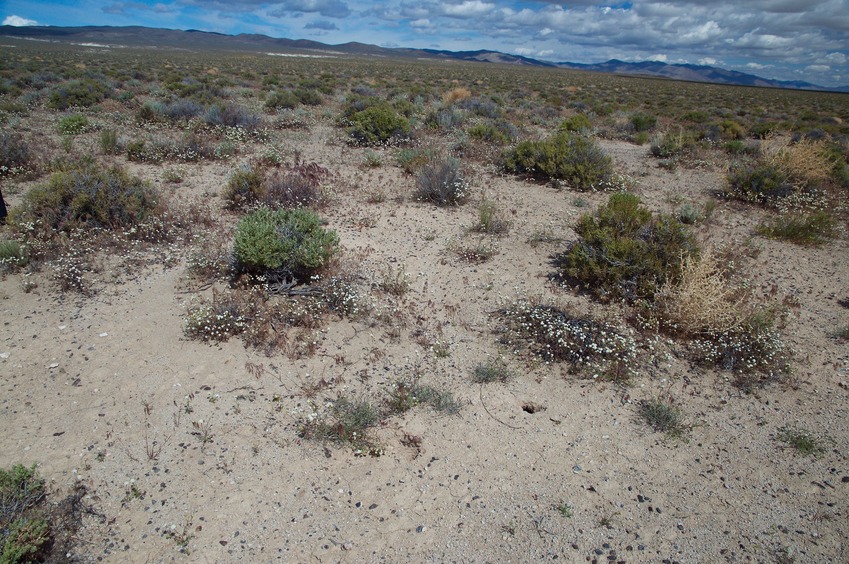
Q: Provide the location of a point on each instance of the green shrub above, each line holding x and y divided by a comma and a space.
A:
244, 188
78, 93
73, 124
812, 229
109, 142
576, 123
663, 416
643, 122
282, 99
758, 183
626, 253
348, 421
493, 371
413, 159
489, 133
12, 254
290, 240
575, 159
669, 145
25, 540
89, 196
491, 219
309, 97
376, 125
22, 535
442, 183
730, 129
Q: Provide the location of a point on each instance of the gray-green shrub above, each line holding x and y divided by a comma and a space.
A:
290, 240
575, 159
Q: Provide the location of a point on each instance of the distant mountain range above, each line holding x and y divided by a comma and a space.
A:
193, 40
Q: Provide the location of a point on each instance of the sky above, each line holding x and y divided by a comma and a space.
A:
782, 39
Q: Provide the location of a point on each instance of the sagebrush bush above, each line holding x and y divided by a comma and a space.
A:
244, 188
624, 252
290, 240
575, 159
73, 124
442, 183
89, 196
15, 154
378, 124
182, 110
78, 93
231, 115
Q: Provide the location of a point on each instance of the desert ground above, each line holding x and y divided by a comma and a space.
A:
192, 450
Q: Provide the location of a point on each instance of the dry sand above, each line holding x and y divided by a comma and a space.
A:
94, 388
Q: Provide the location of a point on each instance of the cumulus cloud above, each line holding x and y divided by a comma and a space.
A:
18, 21
836, 58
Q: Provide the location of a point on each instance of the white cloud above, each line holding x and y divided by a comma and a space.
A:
708, 61
755, 66
836, 58
469, 9
660, 58
818, 68
18, 21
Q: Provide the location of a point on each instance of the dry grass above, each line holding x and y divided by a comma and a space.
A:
805, 161
456, 95
703, 300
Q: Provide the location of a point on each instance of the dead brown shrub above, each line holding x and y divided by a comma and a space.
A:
805, 161
703, 300
456, 95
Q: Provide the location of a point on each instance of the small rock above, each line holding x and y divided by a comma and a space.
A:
104, 334
4, 355
421, 529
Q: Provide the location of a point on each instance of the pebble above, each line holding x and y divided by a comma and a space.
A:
4, 355
421, 529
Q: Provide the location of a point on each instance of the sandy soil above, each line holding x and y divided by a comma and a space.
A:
95, 389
